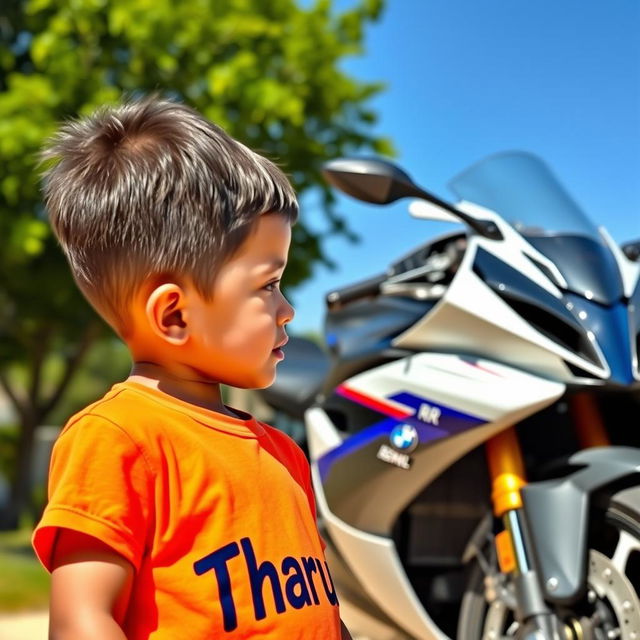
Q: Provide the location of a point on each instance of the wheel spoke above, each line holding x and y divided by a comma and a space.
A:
626, 544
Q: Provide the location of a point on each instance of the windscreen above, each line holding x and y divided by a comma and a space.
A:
522, 190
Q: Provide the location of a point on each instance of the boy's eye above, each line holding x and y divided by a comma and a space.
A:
272, 286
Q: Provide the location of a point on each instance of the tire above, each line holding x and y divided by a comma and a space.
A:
611, 606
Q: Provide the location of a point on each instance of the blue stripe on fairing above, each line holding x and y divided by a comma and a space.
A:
451, 422
354, 443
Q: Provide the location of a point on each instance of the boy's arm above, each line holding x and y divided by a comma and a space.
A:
90, 589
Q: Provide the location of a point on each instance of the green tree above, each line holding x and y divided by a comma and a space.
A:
269, 71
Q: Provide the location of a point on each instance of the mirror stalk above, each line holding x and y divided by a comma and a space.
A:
382, 182
486, 228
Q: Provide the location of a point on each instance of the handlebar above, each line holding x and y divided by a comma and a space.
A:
362, 289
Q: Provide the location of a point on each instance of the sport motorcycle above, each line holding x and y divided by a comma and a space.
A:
473, 422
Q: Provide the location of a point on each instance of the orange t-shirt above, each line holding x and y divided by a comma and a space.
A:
215, 513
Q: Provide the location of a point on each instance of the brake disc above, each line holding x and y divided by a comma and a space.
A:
495, 621
610, 583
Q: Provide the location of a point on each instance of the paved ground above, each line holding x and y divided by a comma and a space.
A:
32, 625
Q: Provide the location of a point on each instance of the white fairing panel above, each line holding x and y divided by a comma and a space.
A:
380, 571
471, 318
498, 395
322, 436
478, 387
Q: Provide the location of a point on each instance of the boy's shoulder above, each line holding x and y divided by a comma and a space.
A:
139, 411
286, 449
151, 421
120, 406
282, 438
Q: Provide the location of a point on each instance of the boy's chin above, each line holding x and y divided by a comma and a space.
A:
259, 381
265, 382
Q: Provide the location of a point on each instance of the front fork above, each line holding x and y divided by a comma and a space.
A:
506, 468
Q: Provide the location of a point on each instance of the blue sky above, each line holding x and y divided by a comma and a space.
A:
466, 78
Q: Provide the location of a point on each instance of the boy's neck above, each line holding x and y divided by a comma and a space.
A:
183, 385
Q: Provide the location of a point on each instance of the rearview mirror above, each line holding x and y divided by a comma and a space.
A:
370, 179
381, 182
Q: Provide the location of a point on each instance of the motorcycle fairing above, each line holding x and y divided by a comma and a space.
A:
359, 334
472, 318
572, 321
634, 322
586, 263
630, 274
561, 551
374, 562
629, 270
430, 420
361, 497
473, 395
527, 195
611, 331
533, 302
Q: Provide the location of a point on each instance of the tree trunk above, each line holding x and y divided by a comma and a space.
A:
21, 489
32, 411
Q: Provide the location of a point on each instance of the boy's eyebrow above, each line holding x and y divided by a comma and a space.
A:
274, 264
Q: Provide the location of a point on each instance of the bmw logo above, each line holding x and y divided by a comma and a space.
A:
404, 437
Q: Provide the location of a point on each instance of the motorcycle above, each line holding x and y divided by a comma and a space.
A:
472, 424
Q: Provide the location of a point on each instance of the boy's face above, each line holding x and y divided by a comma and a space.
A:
235, 337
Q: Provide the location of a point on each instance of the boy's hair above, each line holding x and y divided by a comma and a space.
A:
150, 189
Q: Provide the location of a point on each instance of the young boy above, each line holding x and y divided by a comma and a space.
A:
171, 515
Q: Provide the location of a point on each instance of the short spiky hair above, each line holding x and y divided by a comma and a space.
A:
151, 188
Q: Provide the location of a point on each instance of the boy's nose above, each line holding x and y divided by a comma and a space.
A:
287, 312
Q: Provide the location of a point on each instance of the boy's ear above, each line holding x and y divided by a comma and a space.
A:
167, 314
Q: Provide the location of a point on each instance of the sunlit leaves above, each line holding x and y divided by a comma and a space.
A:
27, 237
269, 72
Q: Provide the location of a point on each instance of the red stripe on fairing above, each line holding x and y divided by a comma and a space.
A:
373, 403
479, 366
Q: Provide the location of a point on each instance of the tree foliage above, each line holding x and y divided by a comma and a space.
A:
268, 71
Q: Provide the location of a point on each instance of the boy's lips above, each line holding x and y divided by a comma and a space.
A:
277, 351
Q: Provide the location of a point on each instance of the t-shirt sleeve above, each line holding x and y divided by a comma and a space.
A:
295, 459
100, 484
312, 497
305, 471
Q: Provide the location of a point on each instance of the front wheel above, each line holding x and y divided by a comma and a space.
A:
610, 609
